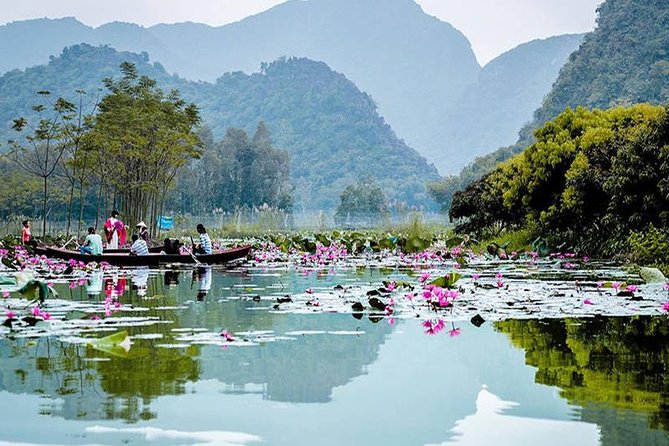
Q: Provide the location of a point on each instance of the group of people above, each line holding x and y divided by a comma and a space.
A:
116, 235
115, 232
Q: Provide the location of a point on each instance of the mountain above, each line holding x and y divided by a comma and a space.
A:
624, 61
330, 128
508, 90
414, 65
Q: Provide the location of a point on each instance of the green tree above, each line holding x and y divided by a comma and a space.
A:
361, 203
142, 137
40, 151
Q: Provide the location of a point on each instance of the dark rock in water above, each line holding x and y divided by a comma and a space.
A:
636, 298
373, 293
31, 321
511, 304
276, 306
626, 293
357, 306
339, 287
8, 322
477, 320
284, 299
357, 315
375, 319
377, 303
68, 270
256, 298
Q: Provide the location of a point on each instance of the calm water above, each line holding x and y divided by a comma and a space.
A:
307, 378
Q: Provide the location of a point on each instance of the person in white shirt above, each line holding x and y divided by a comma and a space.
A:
138, 247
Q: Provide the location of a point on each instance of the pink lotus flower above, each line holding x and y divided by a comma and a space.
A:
391, 321
666, 286
499, 276
5, 294
500, 284
227, 335
36, 311
665, 306
454, 332
427, 323
475, 276
587, 302
424, 277
46, 316
600, 284
615, 285
391, 286
10, 314
309, 291
410, 296
632, 288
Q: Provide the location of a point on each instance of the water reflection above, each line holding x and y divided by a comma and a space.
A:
615, 368
325, 376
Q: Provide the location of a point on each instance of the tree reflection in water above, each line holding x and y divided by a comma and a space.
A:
615, 368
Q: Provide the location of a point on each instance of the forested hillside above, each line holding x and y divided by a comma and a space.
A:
331, 130
414, 65
625, 60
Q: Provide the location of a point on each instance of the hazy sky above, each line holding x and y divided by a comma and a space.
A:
492, 26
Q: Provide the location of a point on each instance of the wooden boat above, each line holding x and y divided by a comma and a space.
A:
152, 259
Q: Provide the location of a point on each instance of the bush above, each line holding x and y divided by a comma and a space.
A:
650, 247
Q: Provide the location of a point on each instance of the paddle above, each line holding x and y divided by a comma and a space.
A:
192, 244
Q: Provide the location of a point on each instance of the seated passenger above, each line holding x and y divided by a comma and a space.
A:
139, 247
92, 244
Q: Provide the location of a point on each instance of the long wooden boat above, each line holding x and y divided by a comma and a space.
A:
152, 259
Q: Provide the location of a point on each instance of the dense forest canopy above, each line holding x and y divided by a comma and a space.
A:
331, 130
624, 61
590, 178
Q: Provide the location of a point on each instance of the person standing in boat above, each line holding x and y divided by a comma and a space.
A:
26, 236
144, 232
204, 247
114, 231
139, 247
92, 244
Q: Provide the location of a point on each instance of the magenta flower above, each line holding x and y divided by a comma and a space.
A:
632, 288
46, 316
424, 277
587, 302
36, 311
499, 276
616, 285
475, 276
391, 321
227, 335
410, 296
391, 286
427, 323
665, 306
454, 332
309, 291
600, 284
10, 314
666, 286
5, 294
500, 284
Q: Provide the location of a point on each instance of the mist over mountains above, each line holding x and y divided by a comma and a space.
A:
420, 71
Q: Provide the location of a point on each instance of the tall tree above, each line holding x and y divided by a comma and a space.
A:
144, 136
40, 151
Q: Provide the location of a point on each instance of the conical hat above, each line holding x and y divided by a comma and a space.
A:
141, 224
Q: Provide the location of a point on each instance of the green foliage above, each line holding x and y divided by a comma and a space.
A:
650, 247
447, 281
623, 61
139, 140
591, 177
238, 172
362, 203
330, 128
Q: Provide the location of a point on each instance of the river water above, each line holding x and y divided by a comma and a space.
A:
313, 372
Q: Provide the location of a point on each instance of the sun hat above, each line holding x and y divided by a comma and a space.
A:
141, 224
